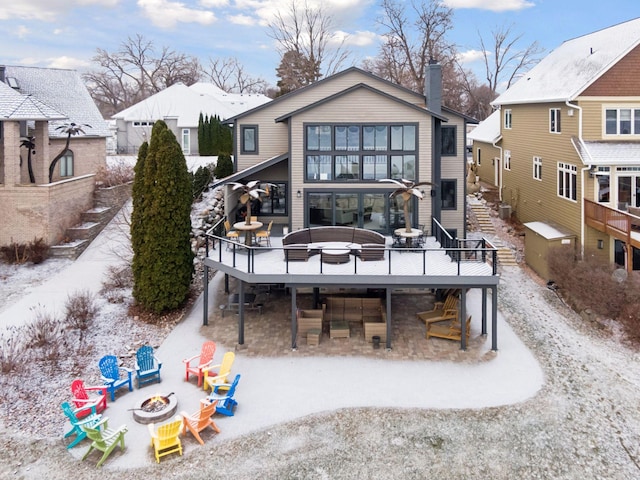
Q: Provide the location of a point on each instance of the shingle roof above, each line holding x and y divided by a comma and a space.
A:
573, 66
608, 153
186, 104
16, 106
64, 91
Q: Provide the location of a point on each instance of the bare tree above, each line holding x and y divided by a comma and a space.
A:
308, 32
135, 72
414, 34
229, 75
505, 60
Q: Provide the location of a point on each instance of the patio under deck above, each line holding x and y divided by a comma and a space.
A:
472, 265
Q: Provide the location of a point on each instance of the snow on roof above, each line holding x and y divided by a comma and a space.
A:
608, 153
487, 130
16, 106
65, 92
550, 232
573, 66
186, 104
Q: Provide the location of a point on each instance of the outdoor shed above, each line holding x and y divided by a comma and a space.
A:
539, 239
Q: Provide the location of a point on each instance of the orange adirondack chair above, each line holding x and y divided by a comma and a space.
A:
86, 403
198, 421
197, 364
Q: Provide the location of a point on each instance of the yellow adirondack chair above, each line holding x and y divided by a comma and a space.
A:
166, 439
106, 440
449, 330
212, 378
200, 420
441, 311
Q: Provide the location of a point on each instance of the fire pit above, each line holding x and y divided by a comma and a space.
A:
155, 408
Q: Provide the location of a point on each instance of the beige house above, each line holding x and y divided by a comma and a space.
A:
39, 103
325, 147
564, 145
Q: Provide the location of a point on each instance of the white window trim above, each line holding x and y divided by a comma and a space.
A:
508, 115
618, 107
537, 172
573, 171
507, 160
553, 125
185, 149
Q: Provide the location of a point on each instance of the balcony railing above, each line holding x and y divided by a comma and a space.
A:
613, 222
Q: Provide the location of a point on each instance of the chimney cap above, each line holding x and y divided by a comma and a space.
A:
433, 61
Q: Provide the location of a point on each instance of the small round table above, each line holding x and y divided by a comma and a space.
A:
335, 252
248, 230
414, 233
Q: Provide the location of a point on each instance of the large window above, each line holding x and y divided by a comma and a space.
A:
186, 141
341, 153
622, 121
567, 180
274, 202
448, 194
507, 119
249, 140
66, 164
537, 168
448, 140
507, 159
554, 120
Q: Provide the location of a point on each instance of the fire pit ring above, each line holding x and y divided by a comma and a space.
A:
155, 408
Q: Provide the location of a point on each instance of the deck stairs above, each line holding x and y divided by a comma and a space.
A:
483, 217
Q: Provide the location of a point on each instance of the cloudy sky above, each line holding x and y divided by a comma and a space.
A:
66, 33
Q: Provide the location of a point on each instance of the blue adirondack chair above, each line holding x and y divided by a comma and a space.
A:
147, 366
226, 402
92, 421
114, 376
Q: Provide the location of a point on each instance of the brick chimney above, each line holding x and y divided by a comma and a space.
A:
433, 86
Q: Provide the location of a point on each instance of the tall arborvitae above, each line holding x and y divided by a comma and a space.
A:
164, 257
201, 150
137, 214
215, 133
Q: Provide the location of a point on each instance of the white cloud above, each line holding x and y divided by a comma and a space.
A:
213, 3
67, 62
166, 14
22, 31
470, 56
242, 20
493, 5
358, 39
46, 10
340, 10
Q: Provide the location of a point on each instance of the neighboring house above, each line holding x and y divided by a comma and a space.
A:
180, 107
326, 146
564, 147
35, 102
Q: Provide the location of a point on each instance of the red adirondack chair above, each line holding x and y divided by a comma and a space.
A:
88, 399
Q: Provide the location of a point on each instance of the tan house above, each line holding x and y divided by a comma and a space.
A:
564, 145
325, 148
40, 103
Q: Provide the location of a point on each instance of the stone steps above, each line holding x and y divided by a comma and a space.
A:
481, 212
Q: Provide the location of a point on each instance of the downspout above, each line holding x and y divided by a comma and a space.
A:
501, 164
583, 170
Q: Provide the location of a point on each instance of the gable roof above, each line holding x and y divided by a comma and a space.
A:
488, 130
568, 70
15, 106
186, 104
64, 91
351, 89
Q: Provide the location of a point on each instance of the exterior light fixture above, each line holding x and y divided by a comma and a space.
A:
299, 194
600, 244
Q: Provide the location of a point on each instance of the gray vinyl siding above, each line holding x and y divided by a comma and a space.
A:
455, 168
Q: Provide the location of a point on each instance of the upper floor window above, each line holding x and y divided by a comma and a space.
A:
347, 137
537, 168
403, 137
143, 124
507, 118
374, 137
567, 181
554, 120
622, 121
507, 159
448, 140
66, 164
249, 140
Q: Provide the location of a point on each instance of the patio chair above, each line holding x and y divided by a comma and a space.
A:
196, 364
200, 420
166, 438
449, 330
114, 376
147, 366
93, 420
441, 311
105, 440
212, 378
226, 404
265, 234
229, 233
88, 400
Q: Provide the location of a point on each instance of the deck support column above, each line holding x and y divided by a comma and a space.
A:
484, 311
205, 297
388, 292
494, 318
316, 297
294, 323
241, 313
463, 319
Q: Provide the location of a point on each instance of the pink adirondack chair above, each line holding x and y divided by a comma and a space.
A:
198, 363
88, 399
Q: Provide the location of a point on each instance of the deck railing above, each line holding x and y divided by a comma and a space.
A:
610, 221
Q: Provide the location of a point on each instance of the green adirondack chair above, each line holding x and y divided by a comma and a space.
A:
105, 440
